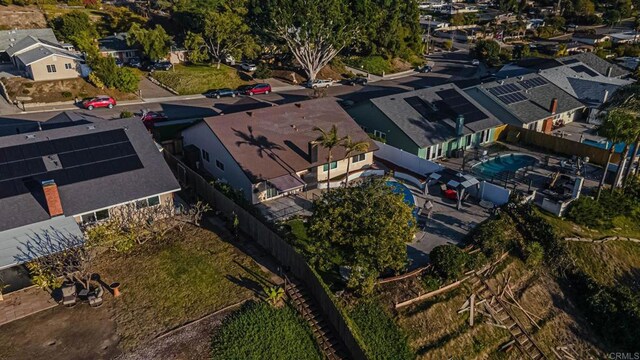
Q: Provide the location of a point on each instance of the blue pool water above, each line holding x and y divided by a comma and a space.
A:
504, 163
619, 147
399, 188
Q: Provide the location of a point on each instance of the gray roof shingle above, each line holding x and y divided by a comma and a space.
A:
535, 107
438, 125
597, 63
12, 37
154, 177
43, 51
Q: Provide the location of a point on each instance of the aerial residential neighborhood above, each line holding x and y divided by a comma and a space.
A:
286, 179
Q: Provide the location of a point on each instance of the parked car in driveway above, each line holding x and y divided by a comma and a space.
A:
98, 102
358, 80
319, 83
162, 65
255, 89
218, 93
475, 62
135, 62
119, 62
248, 66
425, 69
151, 117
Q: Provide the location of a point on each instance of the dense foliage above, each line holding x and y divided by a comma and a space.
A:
449, 260
113, 76
155, 43
384, 340
364, 227
259, 331
77, 28
488, 50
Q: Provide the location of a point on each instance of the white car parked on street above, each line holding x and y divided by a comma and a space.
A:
318, 83
248, 66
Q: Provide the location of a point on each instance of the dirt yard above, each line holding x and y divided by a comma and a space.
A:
21, 17
57, 90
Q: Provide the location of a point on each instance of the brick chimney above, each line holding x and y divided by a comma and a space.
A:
313, 152
52, 198
554, 106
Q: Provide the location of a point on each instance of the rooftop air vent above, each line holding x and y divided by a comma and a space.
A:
31, 136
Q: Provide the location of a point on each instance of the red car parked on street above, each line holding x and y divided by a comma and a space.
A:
98, 102
255, 89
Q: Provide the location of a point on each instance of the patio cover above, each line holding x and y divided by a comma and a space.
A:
23, 244
287, 182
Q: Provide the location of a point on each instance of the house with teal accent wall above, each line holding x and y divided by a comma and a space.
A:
431, 123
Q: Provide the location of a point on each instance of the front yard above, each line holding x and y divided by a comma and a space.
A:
163, 284
197, 79
57, 90
378, 65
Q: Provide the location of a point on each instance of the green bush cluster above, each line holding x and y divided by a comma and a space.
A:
383, 339
449, 261
262, 71
113, 76
600, 214
260, 331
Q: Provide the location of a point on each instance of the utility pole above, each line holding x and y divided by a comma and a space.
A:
429, 18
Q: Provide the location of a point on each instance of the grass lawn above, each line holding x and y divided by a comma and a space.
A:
196, 79
168, 283
378, 65
58, 90
609, 263
260, 331
622, 226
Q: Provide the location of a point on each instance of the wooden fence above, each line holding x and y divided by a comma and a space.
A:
557, 144
288, 257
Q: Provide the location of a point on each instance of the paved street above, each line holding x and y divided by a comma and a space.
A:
446, 67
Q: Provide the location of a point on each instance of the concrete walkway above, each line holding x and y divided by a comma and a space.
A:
25, 302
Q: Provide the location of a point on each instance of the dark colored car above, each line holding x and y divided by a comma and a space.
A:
98, 102
425, 69
255, 89
162, 65
151, 117
218, 93
119, 62
359, 80
135, 62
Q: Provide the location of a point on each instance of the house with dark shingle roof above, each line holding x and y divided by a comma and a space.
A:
44, 60
528, 101
270, 152
430, 123
51, 181
8, 38
116, 46
596, 63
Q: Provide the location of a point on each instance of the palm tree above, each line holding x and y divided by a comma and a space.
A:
635, 133
614, 128
351, 147
328, 140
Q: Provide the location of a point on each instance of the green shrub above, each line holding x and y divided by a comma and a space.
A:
383, 339
449, 260
259, 331
66, 94
492, 237
534, 254
28, 85
588, 212
431, 282
262, 71
126, 114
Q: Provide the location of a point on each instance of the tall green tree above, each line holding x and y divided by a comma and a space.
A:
615, 128
314, 30
352, 147
155, 43
364, 227
224, 32
612, 17
77, 28
328, 140
488, 50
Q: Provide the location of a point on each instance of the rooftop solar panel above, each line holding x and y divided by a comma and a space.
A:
512, 98
459, 105
533, 83
504, 89
584, 69
571, 61
80, 158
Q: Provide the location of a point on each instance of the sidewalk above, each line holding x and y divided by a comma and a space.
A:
25, 302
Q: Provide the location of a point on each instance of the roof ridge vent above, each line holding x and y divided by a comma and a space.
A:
30, 136
91, 127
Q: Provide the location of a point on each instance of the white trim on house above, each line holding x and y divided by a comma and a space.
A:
126, 202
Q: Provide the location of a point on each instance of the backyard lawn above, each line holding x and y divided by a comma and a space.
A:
622, 226
609, 263
197, 79
166, 284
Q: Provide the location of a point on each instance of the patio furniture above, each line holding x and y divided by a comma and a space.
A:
95, 297
69, 295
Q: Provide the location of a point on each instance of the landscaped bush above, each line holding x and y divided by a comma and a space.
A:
534, 254
371, 64
259, 331
588, 212
449, 260
126, 114
262, 71
383, 339
66, 94
493, 236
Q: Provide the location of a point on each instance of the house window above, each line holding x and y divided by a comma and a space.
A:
205, 155
325, 167
358, 158
152, 201
51, 68
88, 218
467, 140
102, 215
219, 165
271, 192
428, 157
68, 66
380, 134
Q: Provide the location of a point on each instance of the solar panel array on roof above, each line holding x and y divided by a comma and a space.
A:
570, 61
459, 105
533, 83
512, 98
66, 161
584, 69
504, 89
423, 108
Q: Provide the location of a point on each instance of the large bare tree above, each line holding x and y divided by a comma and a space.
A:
314, 30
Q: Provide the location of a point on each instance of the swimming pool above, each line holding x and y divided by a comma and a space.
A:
399, 188
503, 164
619, 147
